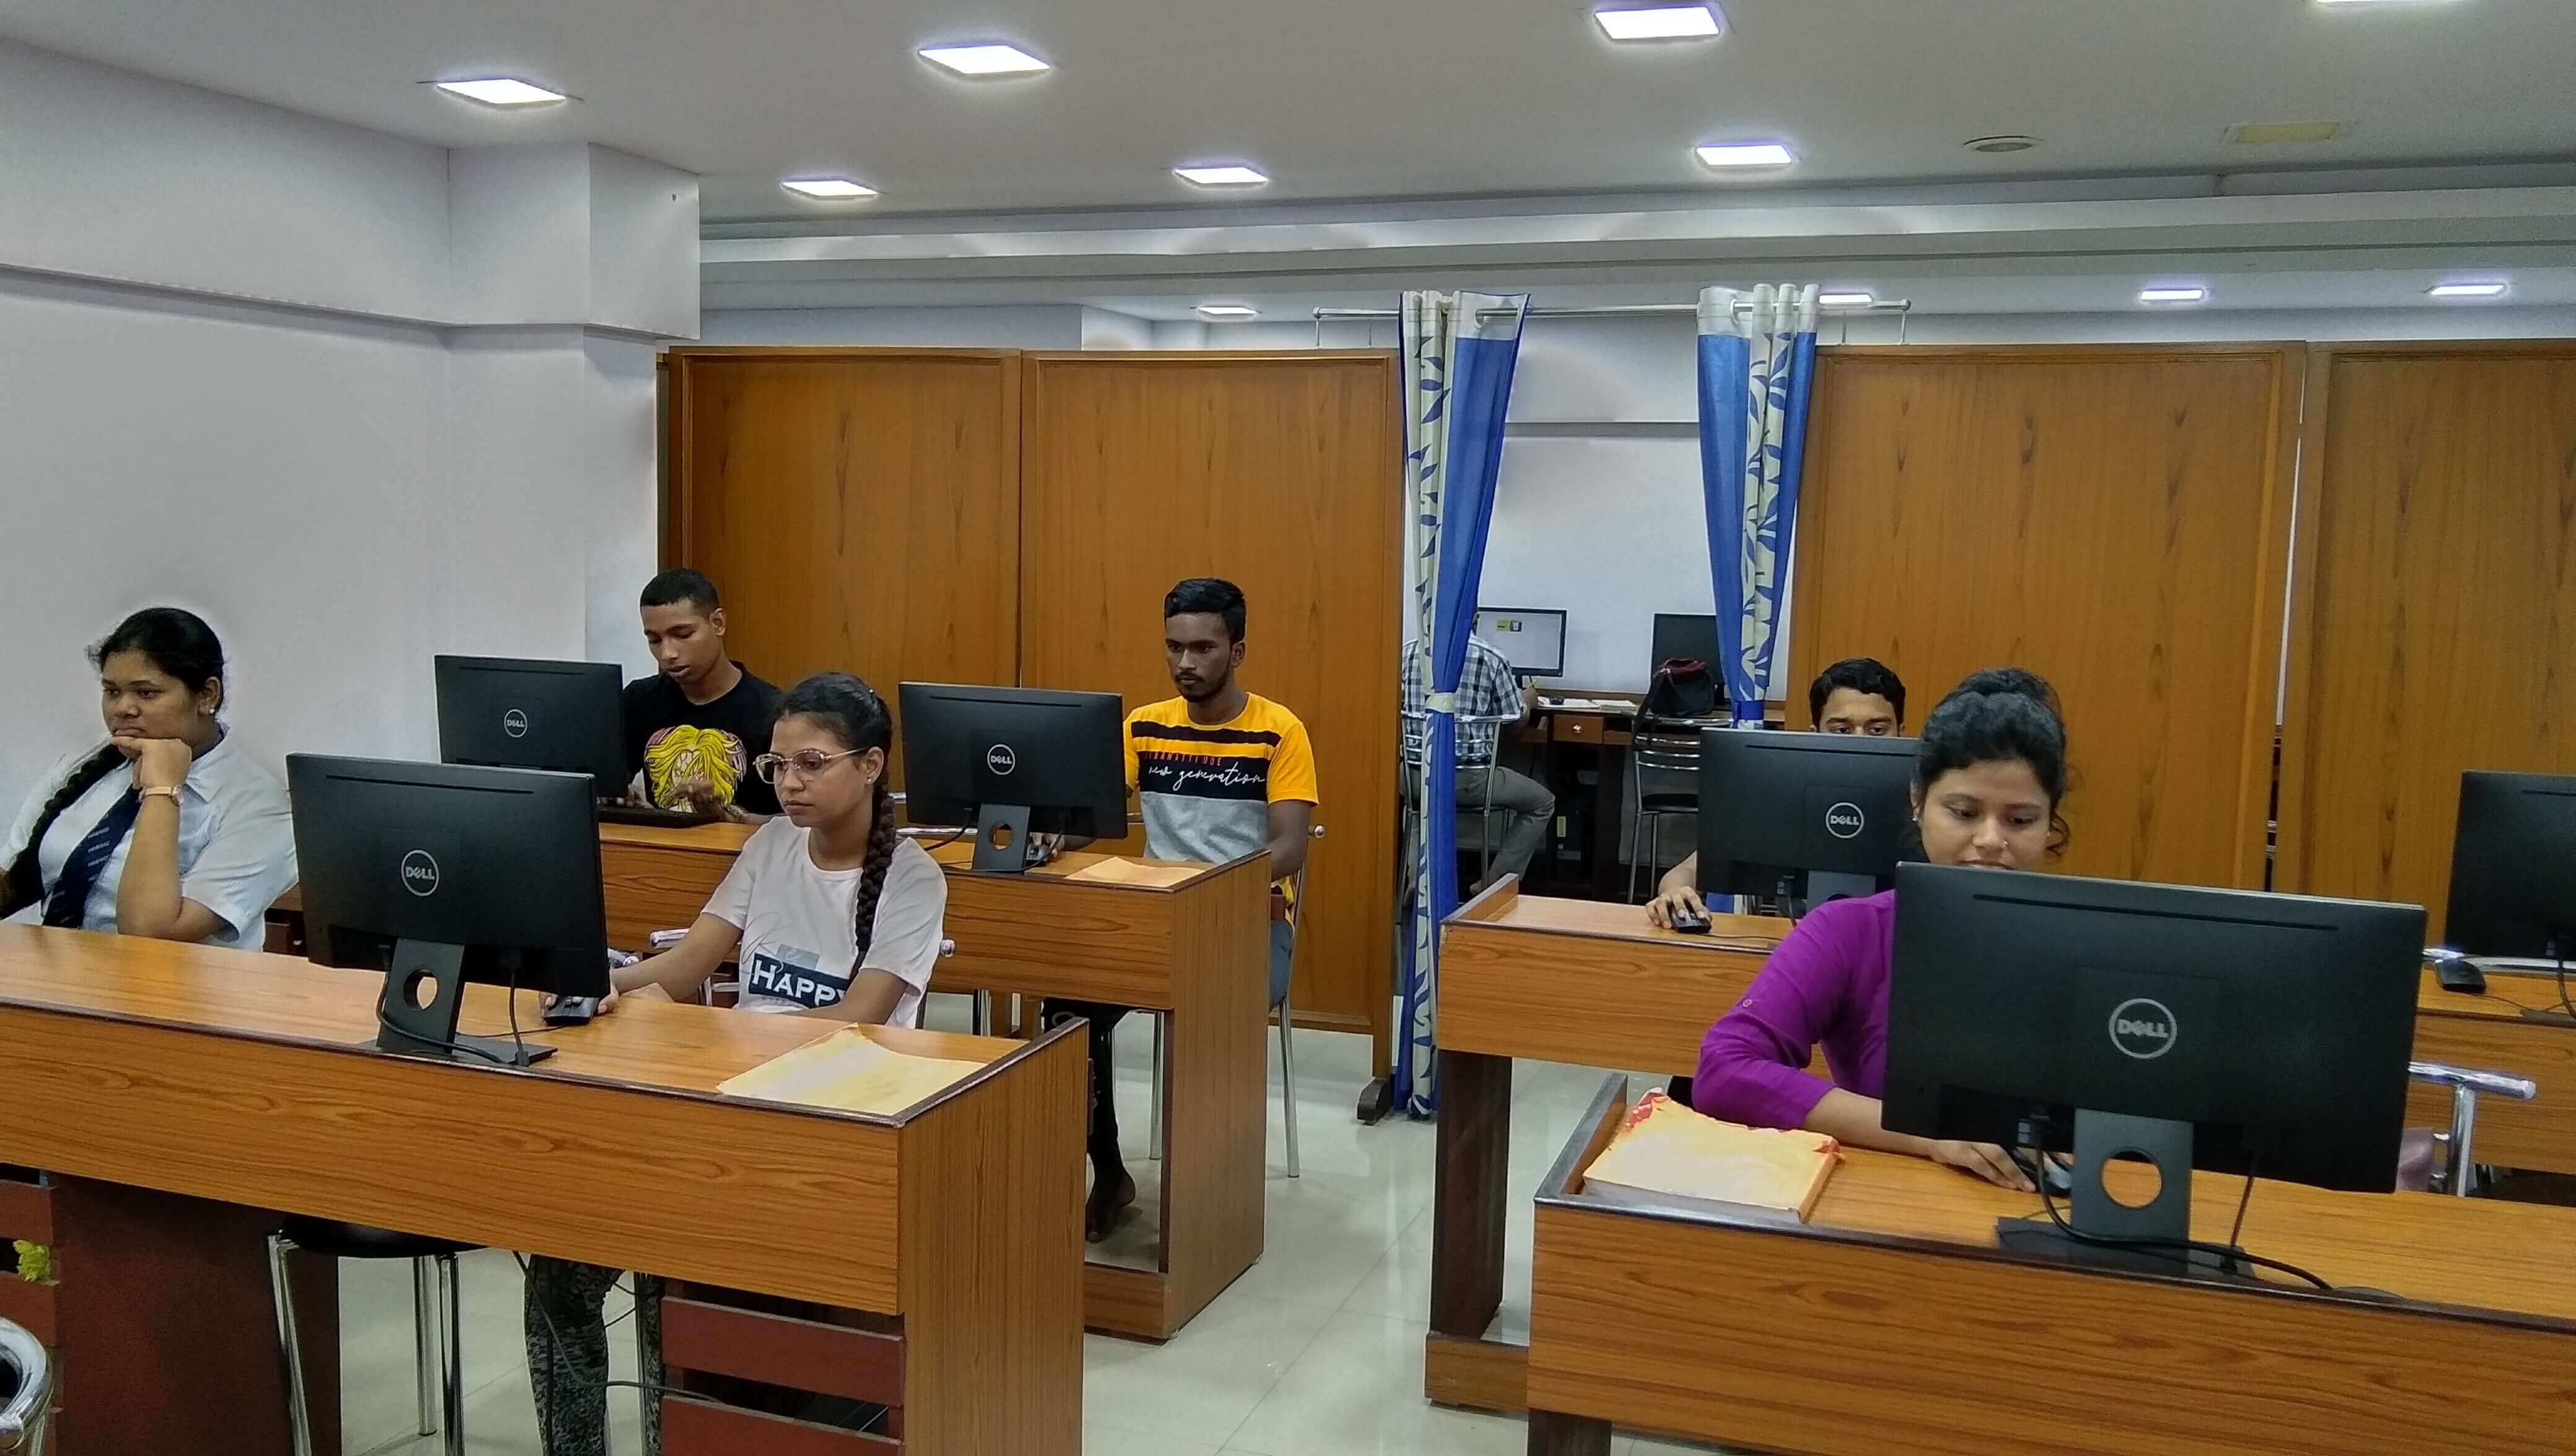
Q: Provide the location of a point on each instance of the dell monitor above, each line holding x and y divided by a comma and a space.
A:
1013, 762
2228, 1030
1802, 818
1681, 635
2513, 868
438, 874
507, 712
1531, 639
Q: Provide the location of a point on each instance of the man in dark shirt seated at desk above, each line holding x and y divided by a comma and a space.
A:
693, 728
1856, 695
1487, 691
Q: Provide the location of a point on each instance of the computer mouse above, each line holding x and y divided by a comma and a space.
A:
571, 1010
2057, 1178
1690, 922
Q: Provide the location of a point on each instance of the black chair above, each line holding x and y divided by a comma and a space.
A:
439, 1358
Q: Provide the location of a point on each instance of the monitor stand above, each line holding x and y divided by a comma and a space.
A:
1002, 839
408, 1023
2101, 1137
1823, 886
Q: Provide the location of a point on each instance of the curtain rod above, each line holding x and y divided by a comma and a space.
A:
1903, 308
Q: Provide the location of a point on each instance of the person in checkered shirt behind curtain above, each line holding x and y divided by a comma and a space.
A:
1486, 690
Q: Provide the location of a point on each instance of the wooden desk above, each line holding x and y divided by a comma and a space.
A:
1577, 981
2490, 1032
1890, 1322
1592, 984
1199, 952
173, 1090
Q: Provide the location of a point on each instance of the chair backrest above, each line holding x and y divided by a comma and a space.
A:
1657, 747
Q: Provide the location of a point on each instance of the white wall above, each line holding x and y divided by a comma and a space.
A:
1035, 326
354, 399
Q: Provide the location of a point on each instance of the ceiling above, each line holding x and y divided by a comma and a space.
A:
1343, 99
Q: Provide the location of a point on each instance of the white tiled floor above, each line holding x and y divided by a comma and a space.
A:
1317, 1351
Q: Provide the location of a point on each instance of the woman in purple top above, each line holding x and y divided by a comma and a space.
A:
1987, 783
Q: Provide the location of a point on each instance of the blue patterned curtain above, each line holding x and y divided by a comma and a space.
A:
1756, 364
1458, 355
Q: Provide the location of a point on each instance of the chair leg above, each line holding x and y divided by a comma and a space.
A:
1288, 1081
451, 1315
1154, 1119
424, 1335
299, 1414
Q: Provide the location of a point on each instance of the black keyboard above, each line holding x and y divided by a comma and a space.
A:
621, 813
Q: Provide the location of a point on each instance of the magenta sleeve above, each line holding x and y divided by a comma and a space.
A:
1753, 1062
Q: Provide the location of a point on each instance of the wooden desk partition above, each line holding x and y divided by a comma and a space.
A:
1282, 471
1891, 1322
1198, 951
2147, 491
1556, 980
155, 1079
2433, 604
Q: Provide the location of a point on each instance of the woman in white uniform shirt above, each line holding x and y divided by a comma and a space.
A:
829, 913
168, 829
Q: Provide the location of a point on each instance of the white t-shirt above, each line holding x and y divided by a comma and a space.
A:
236, 841
798, 936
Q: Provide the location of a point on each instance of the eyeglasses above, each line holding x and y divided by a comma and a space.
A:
771, 767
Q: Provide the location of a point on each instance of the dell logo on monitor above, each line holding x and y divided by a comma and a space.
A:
515, 723
1845, 820
2142, 1028
1000, 759
420, 873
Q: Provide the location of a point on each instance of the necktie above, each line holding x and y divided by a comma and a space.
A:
65, 904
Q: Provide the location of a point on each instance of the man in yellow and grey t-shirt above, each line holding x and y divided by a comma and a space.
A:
1219, 772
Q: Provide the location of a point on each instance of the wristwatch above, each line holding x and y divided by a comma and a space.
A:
159, 791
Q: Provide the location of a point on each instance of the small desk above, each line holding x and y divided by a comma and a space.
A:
1890, 1322
178, 1093
1197, 950
1579, 981
2490, 1032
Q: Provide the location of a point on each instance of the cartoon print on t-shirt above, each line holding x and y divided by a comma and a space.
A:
791, 973
685, 753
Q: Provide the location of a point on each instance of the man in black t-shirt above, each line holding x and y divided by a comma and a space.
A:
693, 729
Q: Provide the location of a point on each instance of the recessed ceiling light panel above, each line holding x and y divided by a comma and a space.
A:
2276, 133
1660, 22
502, 91
1222, 174
1745, 154
1853, 299
2468, 288
828, 189
2174, 293
1228, 313
990, 59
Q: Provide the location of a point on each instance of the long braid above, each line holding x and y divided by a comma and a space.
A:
26, 881
881, 843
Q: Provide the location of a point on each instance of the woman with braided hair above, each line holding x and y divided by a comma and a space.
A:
167, 829
829, 913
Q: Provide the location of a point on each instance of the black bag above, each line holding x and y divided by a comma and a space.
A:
1683, 688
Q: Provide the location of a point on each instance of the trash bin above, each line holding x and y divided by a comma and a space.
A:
27, 1374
